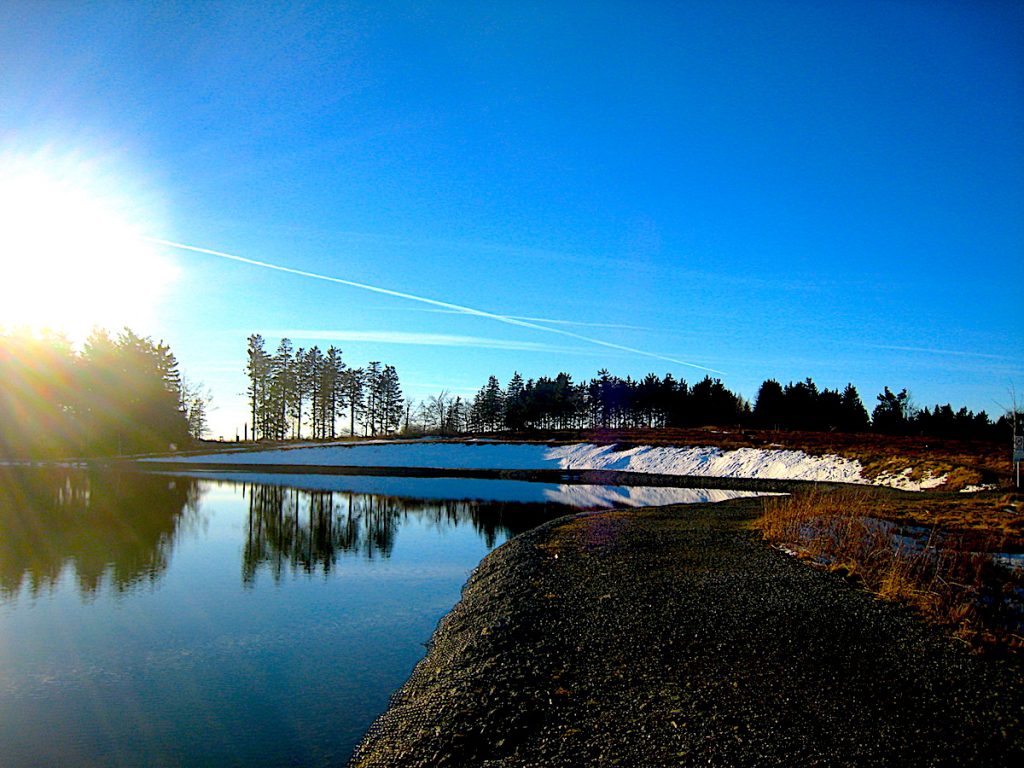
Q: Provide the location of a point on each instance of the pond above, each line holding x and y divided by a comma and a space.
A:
235, 619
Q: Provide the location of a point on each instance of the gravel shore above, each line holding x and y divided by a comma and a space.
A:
674, 636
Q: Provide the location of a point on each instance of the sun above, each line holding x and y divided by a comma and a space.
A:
73, 253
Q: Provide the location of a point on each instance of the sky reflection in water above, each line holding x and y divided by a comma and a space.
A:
184, 621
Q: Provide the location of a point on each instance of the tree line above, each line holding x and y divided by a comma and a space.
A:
608, 401
294, 388
119, 394
125, 394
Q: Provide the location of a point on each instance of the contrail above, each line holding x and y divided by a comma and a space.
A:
548, 320
433, 302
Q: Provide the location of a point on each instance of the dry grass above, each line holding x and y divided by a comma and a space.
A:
950, 578
981, 518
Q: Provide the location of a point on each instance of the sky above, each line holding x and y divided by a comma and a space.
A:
749, 190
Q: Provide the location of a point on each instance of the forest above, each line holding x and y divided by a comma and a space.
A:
119, 394
295, 386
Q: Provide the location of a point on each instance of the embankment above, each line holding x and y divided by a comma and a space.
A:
490, 456
674, 636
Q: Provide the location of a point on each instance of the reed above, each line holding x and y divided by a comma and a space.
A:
951, 579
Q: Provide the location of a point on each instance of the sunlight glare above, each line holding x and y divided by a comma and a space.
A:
71, 250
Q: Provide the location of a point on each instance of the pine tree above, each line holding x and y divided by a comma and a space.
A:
282, 383
893, 413
515, 407
372, 408
353, 387
390, 398
314, 372
332, 399
770, 405
258, 370
300, 389
855, 415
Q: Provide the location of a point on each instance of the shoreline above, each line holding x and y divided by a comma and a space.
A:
560, 476
674, 636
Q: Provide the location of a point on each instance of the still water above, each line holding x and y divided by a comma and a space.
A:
213, 620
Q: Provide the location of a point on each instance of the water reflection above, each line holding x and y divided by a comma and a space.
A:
103, 526
293, 530
122, 527
207, 667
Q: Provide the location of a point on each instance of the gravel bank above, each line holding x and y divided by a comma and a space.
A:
673, 636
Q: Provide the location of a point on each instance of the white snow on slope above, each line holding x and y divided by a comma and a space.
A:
695, 461
775, 464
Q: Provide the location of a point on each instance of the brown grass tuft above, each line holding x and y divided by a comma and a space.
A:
951, 579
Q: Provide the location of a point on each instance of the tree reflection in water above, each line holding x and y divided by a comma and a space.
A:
298, 530
118, 527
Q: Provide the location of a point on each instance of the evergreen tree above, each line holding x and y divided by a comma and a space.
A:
456, 418
314, 370
492, 406
514, 417
281, 391
714, 404
893, 413
135, 403
258, 371
801, 405
332, 401
854, 414
120, 395
301, 388
353, 387
678, 402
373, 392
390, 399
770, 406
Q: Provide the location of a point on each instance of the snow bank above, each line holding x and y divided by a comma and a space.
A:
776, 464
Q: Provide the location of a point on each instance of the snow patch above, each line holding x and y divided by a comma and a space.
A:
978, 488
903, 482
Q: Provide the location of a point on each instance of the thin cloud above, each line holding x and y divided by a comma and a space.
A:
423, 386
434, 302
552, 321
930, 351
547, 320
415, 339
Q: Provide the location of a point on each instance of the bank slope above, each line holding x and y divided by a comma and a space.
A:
695, 461
675, 637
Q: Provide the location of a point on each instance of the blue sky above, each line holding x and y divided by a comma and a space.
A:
781, 190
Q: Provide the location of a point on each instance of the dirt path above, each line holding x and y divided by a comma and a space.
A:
673, 636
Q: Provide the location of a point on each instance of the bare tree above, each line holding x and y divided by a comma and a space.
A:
435, 409
195, 402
